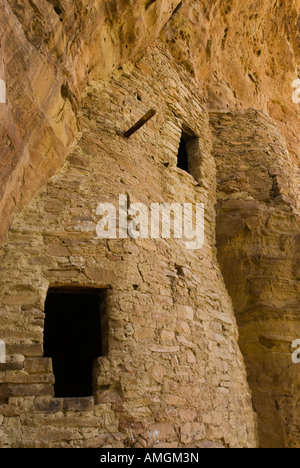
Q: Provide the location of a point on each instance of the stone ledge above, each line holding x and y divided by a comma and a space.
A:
27, 350
25, 390
11, 366
78, 404
48, 405
44, 404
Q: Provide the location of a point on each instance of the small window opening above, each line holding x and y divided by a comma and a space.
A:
183, 157
189, 157
76, 333
184, 151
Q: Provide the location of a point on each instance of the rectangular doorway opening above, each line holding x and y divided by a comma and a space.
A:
186, 149
189, 155
75, 334
183, 157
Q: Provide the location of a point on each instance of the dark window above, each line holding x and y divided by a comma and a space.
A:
75, 335
189, 155
183, 157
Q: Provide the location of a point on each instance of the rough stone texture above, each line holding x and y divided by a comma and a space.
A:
174, 375
258, 240
49, 50
242, 55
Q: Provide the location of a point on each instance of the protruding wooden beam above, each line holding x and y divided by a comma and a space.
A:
140, 123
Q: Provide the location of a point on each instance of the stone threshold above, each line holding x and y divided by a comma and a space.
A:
57, 405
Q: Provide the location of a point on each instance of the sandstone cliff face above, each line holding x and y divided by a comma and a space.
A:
245, 55
49, 50
242, 55
258, 239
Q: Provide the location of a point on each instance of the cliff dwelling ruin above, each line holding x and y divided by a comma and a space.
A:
142, 342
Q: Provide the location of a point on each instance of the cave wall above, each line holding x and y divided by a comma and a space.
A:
243, 56
49, 51
240, 55
258, 240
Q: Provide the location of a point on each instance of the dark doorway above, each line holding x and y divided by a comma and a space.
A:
73, 338
189, 155
183, 157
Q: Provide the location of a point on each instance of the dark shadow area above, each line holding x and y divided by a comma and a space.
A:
73, 338
183, 157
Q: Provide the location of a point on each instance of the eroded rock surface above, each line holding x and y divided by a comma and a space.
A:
245, 55
242, 56
258, 238
49, 50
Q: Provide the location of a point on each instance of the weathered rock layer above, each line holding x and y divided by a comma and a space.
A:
258, 240
241, 55
49, 50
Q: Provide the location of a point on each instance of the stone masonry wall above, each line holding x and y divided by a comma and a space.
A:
50, 49
174, 375
258, 239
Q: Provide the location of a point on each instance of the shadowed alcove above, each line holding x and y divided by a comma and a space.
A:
74, 336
